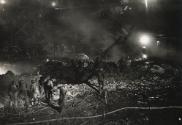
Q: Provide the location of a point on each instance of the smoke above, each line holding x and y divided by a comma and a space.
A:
16, 68
89, 31
13, 72
36, 30
116, 54
77, 32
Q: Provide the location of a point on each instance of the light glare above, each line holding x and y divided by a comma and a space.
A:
179, 118
2, 2
146, 3
145, 40
2, 71
144, 56
158, 43
53, 4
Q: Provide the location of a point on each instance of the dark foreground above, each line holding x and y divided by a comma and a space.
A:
140, 96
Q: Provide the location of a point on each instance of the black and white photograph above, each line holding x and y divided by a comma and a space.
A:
90, 62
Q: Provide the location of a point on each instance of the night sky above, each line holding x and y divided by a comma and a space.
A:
30, 30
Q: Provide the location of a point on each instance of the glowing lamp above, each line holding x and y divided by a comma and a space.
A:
146, 3
2, 71
53, 4
2, 1
179, 118
144, 56
145, 40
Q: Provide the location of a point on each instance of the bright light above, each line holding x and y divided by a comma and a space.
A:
145, 40
53, 4
150, 3
144, 56
146, 3
2, 71
5, 67
179, 118
47, 60
2, 1
158, 43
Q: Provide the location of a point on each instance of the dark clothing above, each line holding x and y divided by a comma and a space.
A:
13, 94
23, 88
62, 95
13, 88
48, 86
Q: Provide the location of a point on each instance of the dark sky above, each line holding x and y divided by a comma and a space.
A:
31, 30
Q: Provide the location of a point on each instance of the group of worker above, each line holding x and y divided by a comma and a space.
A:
21, 94
31, 94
